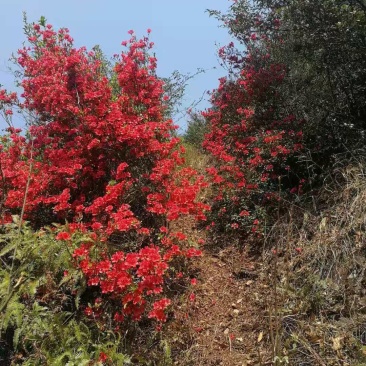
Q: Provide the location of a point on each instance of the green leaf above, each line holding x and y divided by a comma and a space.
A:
16, 336
42, 21
11, 246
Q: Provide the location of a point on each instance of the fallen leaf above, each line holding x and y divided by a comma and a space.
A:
323, 224
260, 337
337, 343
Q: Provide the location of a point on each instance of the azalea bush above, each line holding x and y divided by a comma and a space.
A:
251, 140
320, 46
100, 156
293, 100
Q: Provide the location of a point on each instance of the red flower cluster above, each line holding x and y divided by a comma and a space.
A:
250, 139
100, 152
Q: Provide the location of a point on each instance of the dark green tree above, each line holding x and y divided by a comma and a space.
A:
196, 129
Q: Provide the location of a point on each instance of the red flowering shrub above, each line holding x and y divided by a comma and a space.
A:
251, 140
100, 155
318, 46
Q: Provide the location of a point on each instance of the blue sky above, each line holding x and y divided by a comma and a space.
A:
185, 37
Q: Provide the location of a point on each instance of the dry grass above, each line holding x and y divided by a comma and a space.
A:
319, 276
195, 158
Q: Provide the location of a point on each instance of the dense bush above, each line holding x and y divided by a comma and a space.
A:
293, 98
251, 139
99, 155
43, 299
321, 45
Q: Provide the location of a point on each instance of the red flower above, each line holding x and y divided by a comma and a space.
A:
88, 311
164, 229
193, 253
158, 310
118, 317
63, 236
102, 357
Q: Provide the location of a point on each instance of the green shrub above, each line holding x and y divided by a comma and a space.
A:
43, 300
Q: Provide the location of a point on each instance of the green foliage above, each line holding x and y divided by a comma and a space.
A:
325, 53
43, 296
107, 69
196, 130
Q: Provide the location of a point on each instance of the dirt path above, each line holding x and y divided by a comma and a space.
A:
227, 323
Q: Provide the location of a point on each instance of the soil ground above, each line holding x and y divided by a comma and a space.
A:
226, 323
